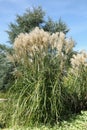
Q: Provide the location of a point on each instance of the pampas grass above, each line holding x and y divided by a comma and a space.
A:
42, 91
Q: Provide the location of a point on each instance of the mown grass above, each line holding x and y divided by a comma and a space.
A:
76, 122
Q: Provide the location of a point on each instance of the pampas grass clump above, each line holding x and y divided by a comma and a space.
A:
42, 90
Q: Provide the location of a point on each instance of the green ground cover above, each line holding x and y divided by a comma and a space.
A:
76, 122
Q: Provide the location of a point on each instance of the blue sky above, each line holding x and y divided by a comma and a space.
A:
72, 12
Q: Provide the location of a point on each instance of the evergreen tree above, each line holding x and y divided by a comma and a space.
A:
32, 18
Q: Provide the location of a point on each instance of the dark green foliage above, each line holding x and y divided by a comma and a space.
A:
4, 65
53, 27
32, 18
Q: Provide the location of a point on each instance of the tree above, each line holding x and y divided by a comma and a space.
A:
32, 18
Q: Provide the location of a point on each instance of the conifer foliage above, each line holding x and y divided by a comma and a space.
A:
31, 19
